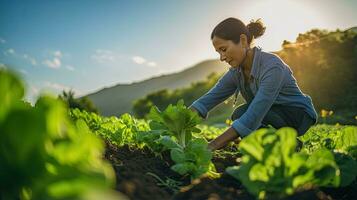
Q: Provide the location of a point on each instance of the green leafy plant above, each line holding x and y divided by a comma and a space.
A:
337, 138
119, 131
179, 121
43, 155
172, 129
341, 141
271, 166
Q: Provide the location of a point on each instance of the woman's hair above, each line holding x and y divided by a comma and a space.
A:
232, 28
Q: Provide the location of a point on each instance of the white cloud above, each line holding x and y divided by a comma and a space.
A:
2, 41
30, 59
9, 52
103, 56
55, 63
139, 60
57, 54
27, 57
152, 64
70, 67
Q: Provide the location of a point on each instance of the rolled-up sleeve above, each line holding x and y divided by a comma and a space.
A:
223, 89
271, 83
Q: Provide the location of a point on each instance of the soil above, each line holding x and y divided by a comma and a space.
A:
132, 165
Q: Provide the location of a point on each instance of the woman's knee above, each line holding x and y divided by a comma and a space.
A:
239, 111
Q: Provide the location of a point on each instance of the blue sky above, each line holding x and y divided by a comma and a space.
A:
88, 45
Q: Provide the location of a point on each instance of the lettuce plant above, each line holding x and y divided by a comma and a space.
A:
341, 141
271, 166
119, 131
173, 129
43, 155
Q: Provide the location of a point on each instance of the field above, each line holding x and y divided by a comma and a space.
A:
144, 171
50, 152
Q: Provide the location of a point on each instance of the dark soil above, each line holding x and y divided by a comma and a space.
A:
132, 165
225, 187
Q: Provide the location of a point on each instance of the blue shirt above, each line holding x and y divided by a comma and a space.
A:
272, 82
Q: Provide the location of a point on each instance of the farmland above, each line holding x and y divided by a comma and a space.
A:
48, 151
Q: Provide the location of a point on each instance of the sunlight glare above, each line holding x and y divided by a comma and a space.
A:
284, 20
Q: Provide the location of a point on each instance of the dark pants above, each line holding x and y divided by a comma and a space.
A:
281, 116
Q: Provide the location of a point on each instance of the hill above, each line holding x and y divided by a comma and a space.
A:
118, 99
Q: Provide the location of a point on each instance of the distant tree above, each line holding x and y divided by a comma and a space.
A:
324, 64
83, 103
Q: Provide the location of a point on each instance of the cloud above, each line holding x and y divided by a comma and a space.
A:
152, 64
9, 52
70, 67
57, 54
139, 60
55, 61
30, 59
103, 56
27, 57
2, 41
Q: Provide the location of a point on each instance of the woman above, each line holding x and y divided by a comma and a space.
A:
264, 80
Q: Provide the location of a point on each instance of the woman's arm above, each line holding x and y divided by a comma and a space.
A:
229, 135
224, 88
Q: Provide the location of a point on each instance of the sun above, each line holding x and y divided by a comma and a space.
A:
284, 20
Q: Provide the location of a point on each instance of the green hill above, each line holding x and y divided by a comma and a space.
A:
118, 99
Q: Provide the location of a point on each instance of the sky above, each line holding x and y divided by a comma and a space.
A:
87, 45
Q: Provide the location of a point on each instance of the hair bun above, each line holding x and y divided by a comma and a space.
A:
256, 28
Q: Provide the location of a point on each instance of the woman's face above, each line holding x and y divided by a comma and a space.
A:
230, 52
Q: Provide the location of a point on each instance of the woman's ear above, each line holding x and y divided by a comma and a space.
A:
244, 40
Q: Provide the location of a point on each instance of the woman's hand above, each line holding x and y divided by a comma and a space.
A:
229, 135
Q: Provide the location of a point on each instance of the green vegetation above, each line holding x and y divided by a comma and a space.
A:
44, 155
175, 127
48, 151
119, 131
332, 57
271, 166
